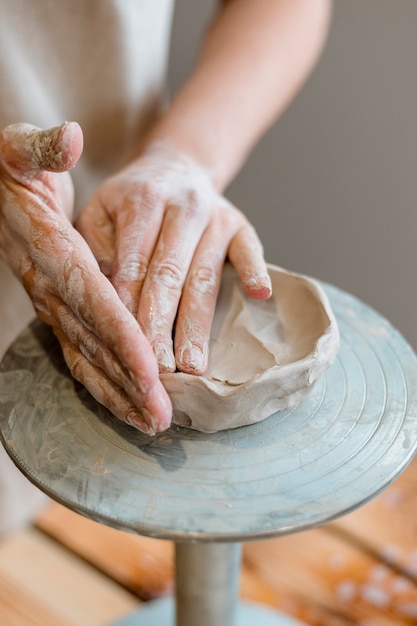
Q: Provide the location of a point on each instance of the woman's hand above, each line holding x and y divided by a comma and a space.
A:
102, 342
161, 232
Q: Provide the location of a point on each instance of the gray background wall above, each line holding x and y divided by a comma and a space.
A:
332, 188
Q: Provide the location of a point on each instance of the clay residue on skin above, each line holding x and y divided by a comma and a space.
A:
45, 146
43, 149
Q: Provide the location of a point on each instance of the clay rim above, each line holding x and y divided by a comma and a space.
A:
328, 342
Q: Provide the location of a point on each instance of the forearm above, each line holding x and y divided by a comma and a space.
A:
254, 59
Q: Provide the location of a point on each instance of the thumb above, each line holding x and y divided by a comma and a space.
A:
25, 149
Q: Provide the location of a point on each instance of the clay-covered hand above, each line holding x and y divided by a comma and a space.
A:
161, 232
102, 342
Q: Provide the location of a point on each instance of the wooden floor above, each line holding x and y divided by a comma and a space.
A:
362, 569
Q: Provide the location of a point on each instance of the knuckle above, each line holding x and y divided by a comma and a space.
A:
169, 274
148, 192
134, 268
74, 363
230, 219
203, 280
250, 236
90, 349
139, 196
193, 201
142, 266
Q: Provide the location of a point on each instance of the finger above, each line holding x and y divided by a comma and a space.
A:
105, 391
138, 228
230, 234
85, 311
95, 303
28, 150
164, 282
198, 301
246, 254
92, 347
97, 228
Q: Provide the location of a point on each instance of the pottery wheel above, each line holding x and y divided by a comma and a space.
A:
295, 470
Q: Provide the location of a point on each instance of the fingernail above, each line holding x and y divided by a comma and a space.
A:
192, 359
143, 421
164, 357
259, 286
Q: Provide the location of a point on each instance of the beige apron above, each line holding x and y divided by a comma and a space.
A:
103, 64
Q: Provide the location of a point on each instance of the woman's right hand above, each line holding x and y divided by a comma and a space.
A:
102, 342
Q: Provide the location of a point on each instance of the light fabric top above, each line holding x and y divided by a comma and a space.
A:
101, 63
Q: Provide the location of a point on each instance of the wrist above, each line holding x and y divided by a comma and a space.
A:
181, 138
165, 152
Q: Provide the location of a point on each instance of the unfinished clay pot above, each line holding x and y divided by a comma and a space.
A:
265, 356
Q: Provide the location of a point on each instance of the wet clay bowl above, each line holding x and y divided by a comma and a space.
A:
265, 356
